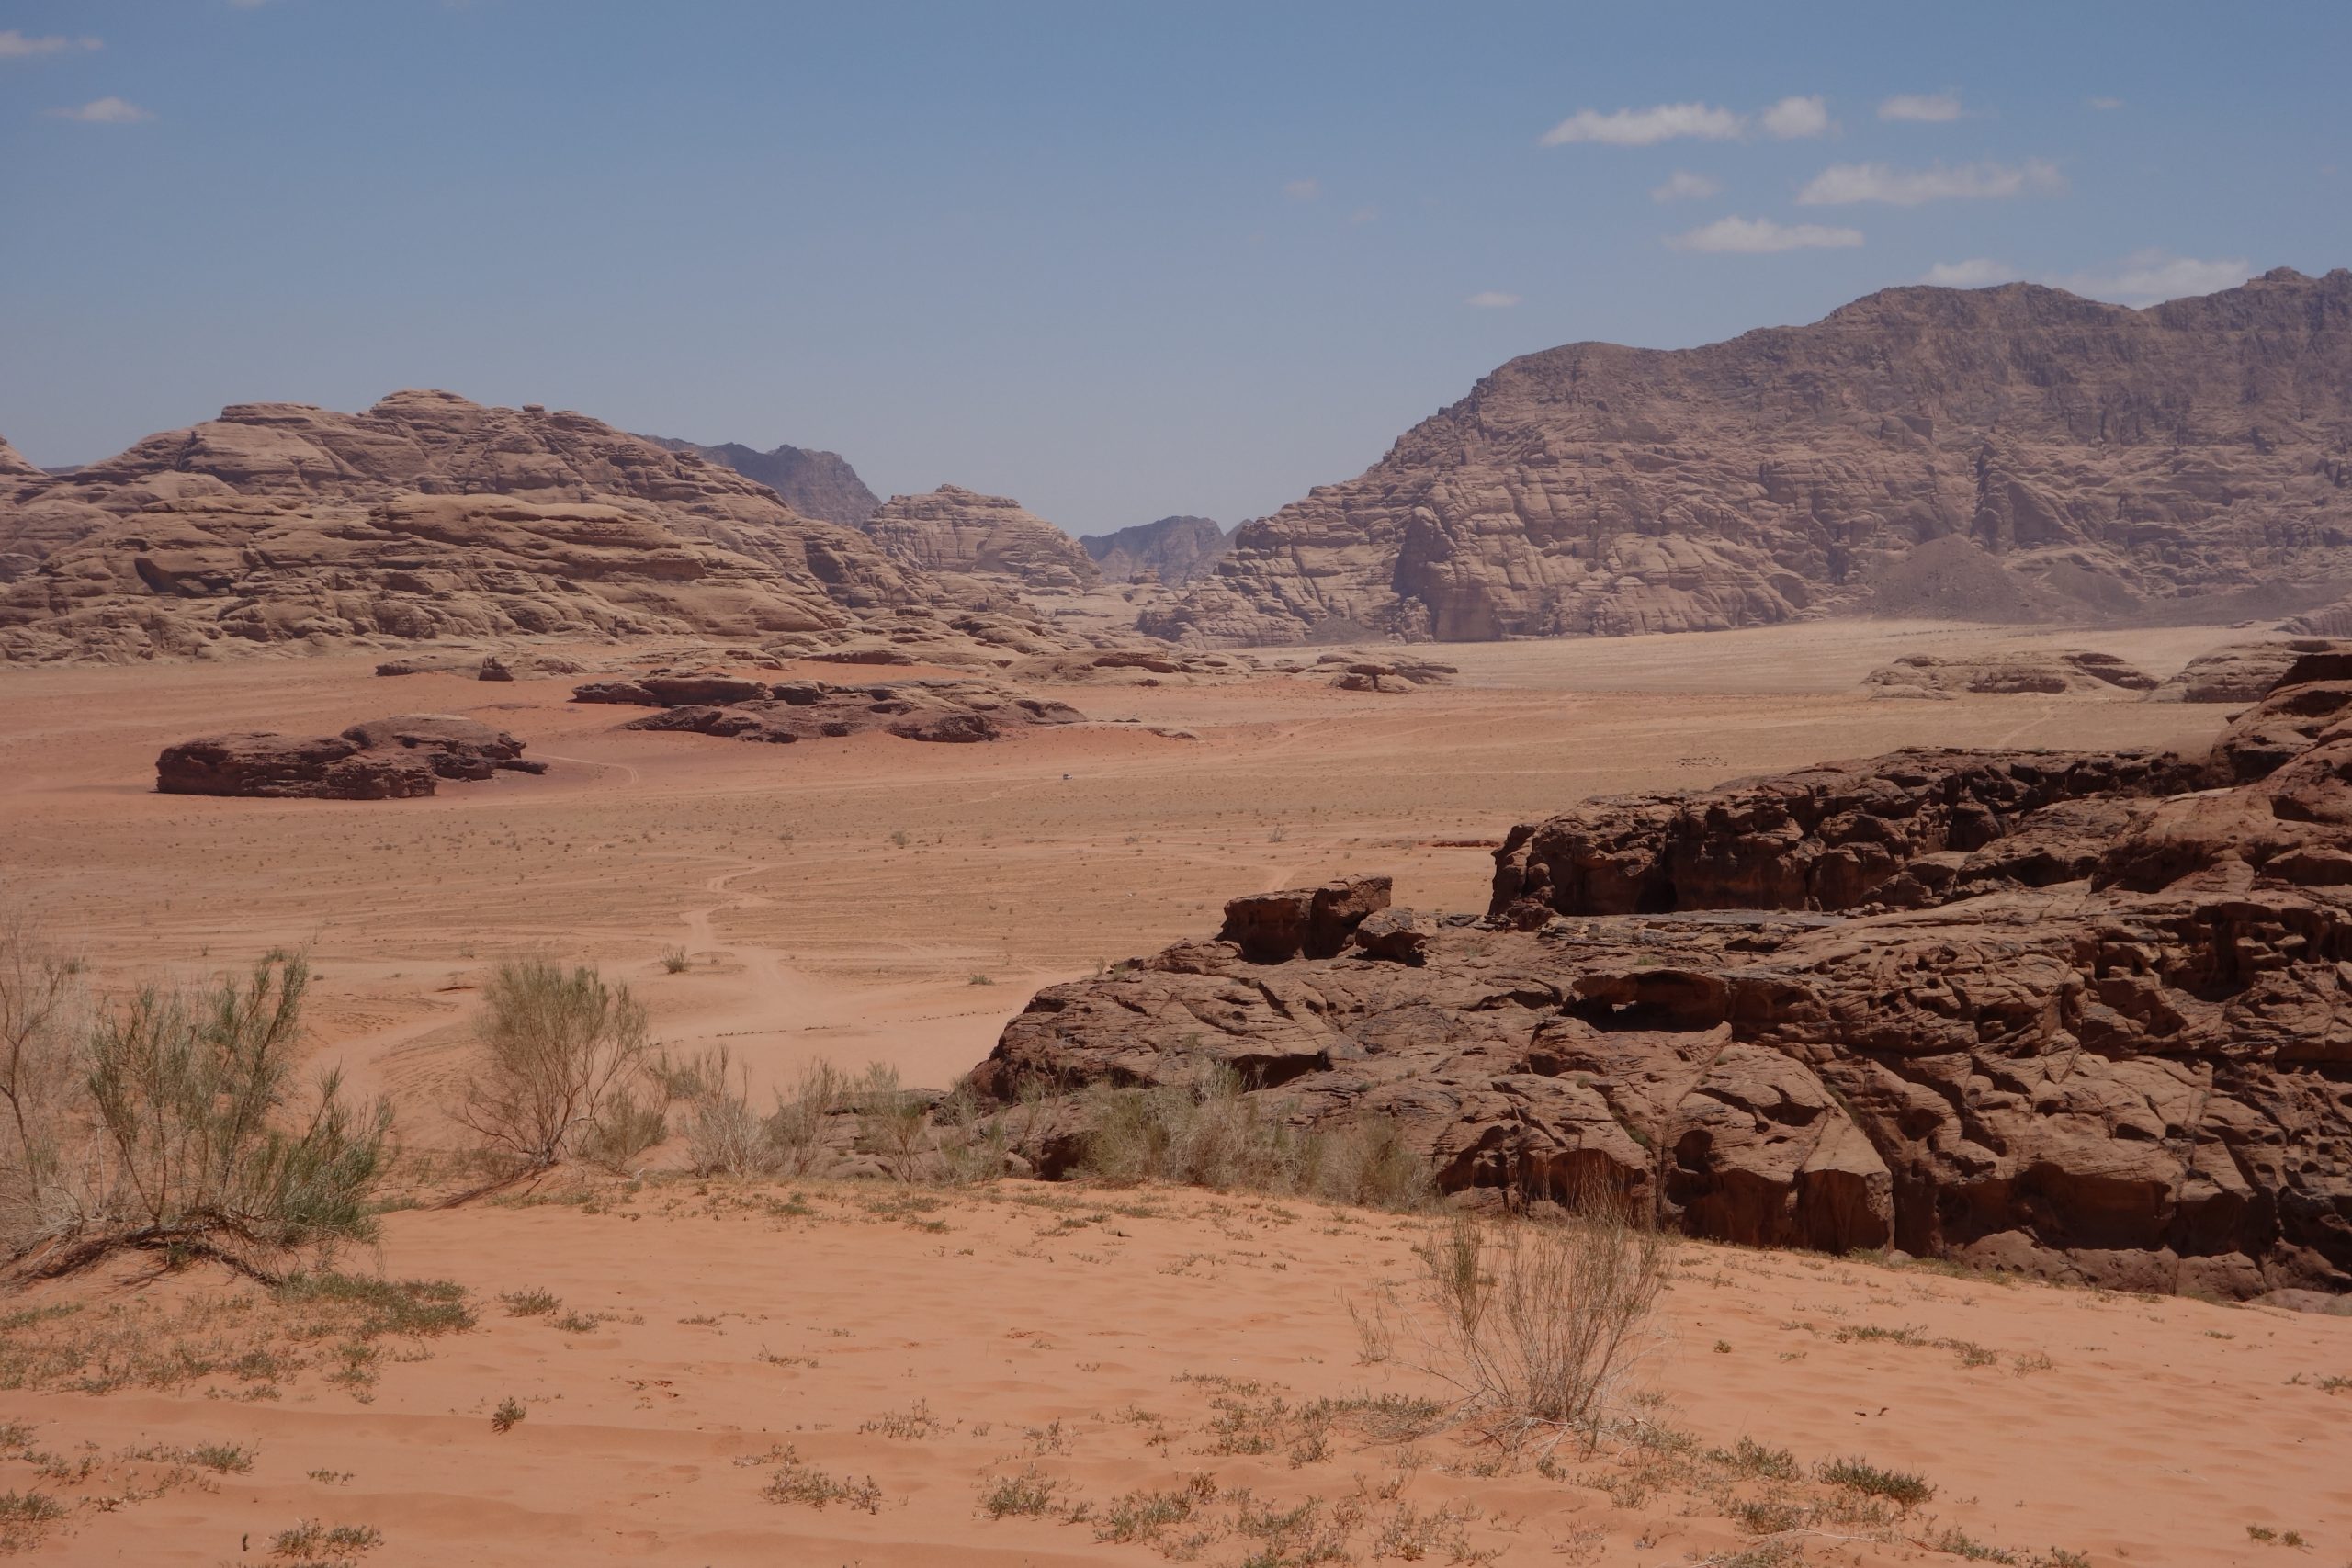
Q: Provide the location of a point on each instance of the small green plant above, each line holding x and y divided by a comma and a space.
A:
510, 1411
531, 1303
578, 1323
314, 1541
1027, 1493
978, 979
796, 1481
25, 1515
1902, 1488
1958, 1542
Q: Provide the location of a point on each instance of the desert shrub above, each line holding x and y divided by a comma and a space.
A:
42, 1004
796, 1131
1210, 1130
891, 1119
1539, 1322
674, 961
973, 1141
564, 1059
182, 1105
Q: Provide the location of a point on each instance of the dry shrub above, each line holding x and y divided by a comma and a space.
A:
1539, 1322
1212, 1132
725, 1136
564, 1062
167, 1125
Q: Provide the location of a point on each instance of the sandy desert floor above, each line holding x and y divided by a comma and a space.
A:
876, 899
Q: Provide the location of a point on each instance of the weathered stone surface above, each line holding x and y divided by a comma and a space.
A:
2139, 1077
2040, 454
1833, 837
1318, 921
425, 517
815, 484
943, 711
1173, 550
959, 533
375, 759
2047, 672
2238, 671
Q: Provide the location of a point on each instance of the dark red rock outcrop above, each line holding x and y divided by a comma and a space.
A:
380, 758
779, 713
1833, 837
2111, 1043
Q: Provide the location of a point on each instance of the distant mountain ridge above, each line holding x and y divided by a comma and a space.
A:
2062, 456
425, 516
813, 483
1174, 549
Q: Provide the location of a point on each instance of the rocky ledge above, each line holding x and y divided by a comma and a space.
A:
785, 711
378, 759
2083, 1016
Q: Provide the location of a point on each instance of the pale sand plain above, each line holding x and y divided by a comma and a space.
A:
847, 899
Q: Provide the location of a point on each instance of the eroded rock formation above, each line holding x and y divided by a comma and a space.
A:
378, 759
2237, 671
2079, 1015
2054, 454
785, 711
427, 516
957, 533
815, 484
2045, 671
1173, 550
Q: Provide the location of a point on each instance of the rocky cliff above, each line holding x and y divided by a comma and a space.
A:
14, 464
2076, 1014
425, 516
1175, 551
956, 531
815, 484
2060, 456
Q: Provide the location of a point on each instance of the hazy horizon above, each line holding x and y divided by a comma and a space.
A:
1118, 264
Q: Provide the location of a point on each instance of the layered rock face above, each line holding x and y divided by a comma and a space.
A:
2064, 452
2238, 671
2046, 673
815, 484
1173, 550
954, 531
782, 712
14, 465
2070, 1014
380, 759
427, 516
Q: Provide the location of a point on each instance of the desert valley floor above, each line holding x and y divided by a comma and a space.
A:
869, 899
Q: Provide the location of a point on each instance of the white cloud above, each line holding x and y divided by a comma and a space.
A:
1644, 128
1492, 300
1363, 215
1842, 182
1925, 109
1684, 185
1793, 118
1974, 272
2105, 103
14, 45
105, 111
1302, 190
1760, 236
2146, 277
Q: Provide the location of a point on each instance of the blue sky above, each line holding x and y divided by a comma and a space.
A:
1119, 260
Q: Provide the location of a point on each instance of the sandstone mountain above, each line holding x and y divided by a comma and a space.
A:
425, 516
1174, 549
2058, 455
815, 484
14, 465
2074, 1013
989, 540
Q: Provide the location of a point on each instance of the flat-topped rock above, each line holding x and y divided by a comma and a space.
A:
381, 758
